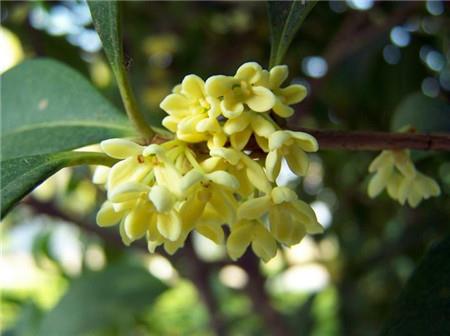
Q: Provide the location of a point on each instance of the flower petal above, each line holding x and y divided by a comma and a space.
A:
283, 110
264, 245
284, 228
278, 75
127, 192
121, 148
231, 155
261, 100
384, 159
254, 208
175, 104
137, 222
223, 178
162, 198
193, 86
297, 160
293, 94
100, 175
249, 72
237, 124
379, 181
169, 225
238, 240
218, 86
107, 216
262, 126
306, 141
283, 195
239, 140
273, 165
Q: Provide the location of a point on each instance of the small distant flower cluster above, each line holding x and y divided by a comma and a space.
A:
395, 172
203, 180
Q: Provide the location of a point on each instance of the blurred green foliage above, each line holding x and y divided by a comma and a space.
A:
370, 248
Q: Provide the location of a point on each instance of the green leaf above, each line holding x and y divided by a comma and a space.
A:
102, 302
423, 113
106, 18
424, 304
285, 19
19, 176
48, 107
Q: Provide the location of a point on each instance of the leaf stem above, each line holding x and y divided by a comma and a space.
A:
130, 104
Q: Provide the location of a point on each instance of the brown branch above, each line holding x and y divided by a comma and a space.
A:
377, 141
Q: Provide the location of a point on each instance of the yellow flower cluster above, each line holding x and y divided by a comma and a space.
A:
203, 180
395, 172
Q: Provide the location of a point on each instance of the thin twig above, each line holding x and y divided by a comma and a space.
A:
377, 141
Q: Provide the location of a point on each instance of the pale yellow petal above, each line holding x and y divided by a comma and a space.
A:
262, 126
249, 72
127, 191
162, 198
384, 159
169, 225
261, 100
263, 244
218, 86
297, 160
273, 165
283, 194
263, 143
211, 231
121, 148
293, 94
229, 154
306, 141
284, 228
137, 222
282, 109
254, 208
278, 75
238, 124
238, 241
193, 86
107, 216
230, 107
101, 174
223, 178
190, 179
256, 175
175, 104
379, 181
306, 215
239, 140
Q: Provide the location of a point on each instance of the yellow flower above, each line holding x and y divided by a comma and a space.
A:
389, 167
246, 232
240, 91
192, 114
284, 97
415, 189
214, 189
247, 171
291, 146
242, 127
133, 167
395, 172
290, 218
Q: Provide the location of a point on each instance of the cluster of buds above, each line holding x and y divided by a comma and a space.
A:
206, 178
395, 172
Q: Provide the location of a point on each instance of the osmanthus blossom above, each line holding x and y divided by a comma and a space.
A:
394, 171
204, 178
